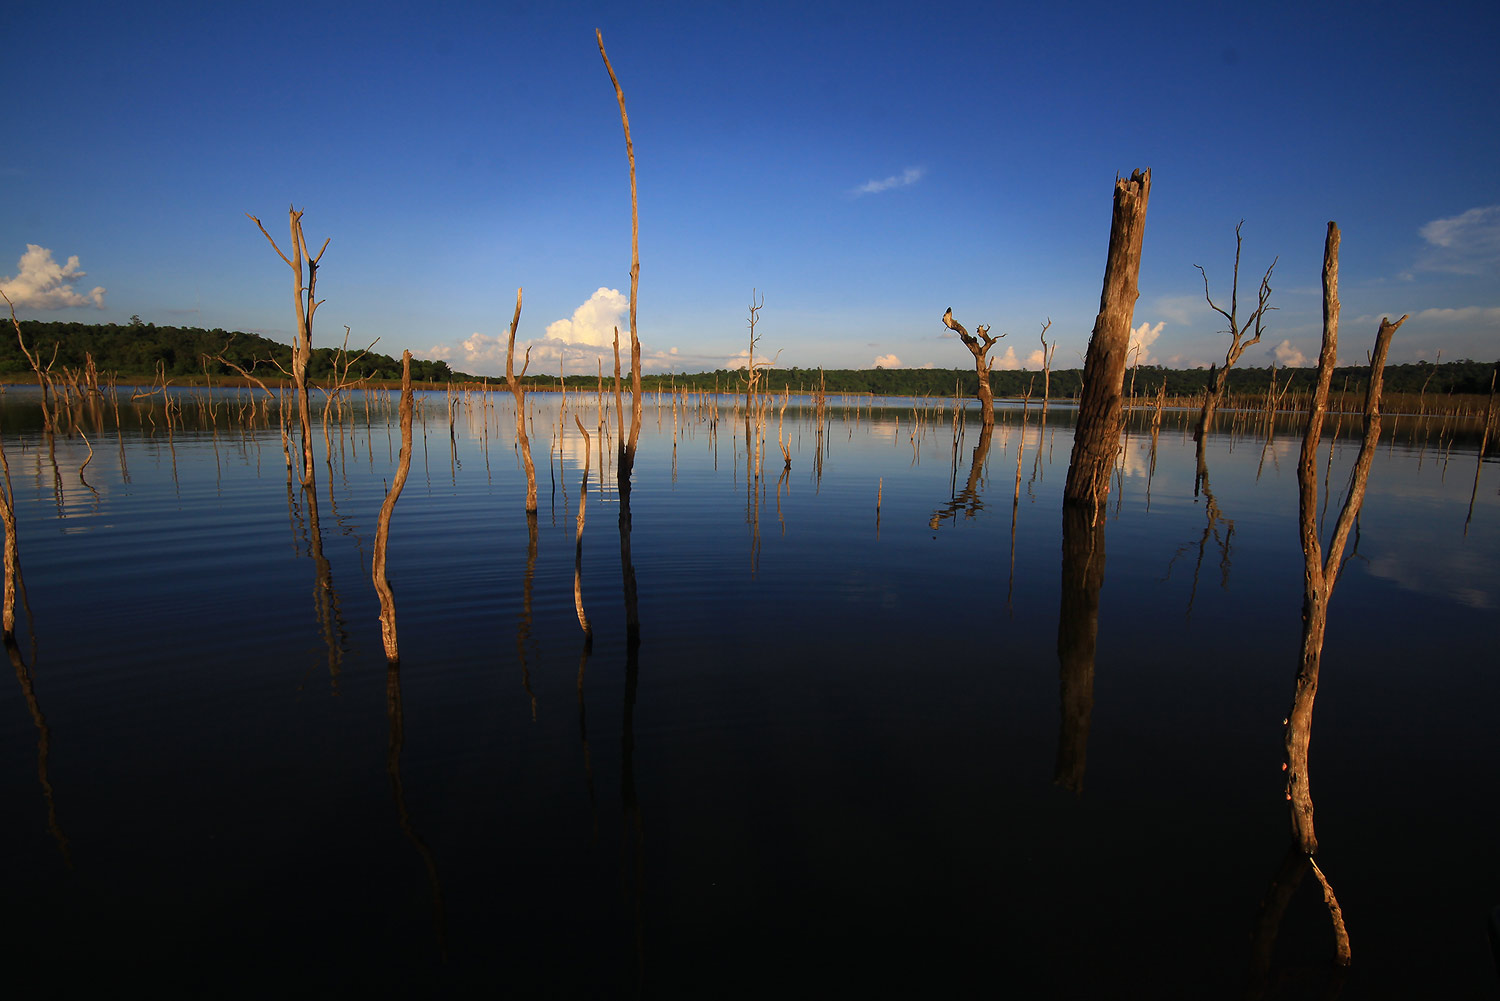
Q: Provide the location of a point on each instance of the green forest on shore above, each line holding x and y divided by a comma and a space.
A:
132, 352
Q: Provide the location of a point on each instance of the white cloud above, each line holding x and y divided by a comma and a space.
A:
439, 352
1288, 356
42, 283
1036, 359
1141, 339
738, 360
887, 361
1008, 361
594, 322
479, 349
1466, 244
906, 178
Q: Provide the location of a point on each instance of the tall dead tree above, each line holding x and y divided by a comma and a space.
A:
1219, 378
307, 304
12, 552
519, 392
979, 344
1321, 570
41, 378
1096, 435
1048, 350
626, 460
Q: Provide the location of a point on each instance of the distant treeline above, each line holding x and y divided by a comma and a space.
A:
132, 351
1459, 377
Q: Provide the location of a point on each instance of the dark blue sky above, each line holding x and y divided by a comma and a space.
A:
863, 166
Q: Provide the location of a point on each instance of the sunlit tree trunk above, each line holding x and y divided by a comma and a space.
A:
1096, 436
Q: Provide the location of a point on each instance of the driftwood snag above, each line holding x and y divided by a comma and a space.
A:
1096, 436
1219, 378
1321, 570
383, 525
307, 305
625, 463
979, 344
518, 390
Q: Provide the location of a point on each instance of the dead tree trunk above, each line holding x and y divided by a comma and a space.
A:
1048, 350
1096, 436
519, 392
626, 459
1321, 571
383, 524
41, 379
1218, 379
979, 344
12, 550
307, 304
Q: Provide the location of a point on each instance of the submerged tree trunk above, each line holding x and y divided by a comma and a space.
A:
1096, 436
625, 462
1321, 571
519, 392
383, 524
307, 305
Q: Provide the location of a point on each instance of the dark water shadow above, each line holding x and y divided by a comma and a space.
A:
396, 722
1077, 639
43, 746
633, 832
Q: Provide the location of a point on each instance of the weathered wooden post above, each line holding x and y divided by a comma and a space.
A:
1096, 436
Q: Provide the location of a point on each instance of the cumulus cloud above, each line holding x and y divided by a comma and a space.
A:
1466, 244
1288, 356
42, 283
738, 360
594, 322
887, 361
1008, 361
579, 343
1036, 359
1141, 339
479, 350
908, 177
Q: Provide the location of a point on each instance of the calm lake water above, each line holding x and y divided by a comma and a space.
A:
843, 757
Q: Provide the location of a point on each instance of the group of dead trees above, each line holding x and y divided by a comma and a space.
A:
1095, 448
304, 267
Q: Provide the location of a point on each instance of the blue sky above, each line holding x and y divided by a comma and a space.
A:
862, 166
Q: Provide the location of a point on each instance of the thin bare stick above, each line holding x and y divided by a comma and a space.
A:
383, 524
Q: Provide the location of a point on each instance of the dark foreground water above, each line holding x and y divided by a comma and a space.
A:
841, 755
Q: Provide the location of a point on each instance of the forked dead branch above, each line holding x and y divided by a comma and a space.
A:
979, 344
307, 303
1219, 378
1321, 569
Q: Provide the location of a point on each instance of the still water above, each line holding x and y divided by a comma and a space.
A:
838, 755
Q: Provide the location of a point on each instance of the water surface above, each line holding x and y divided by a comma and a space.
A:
841, 753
